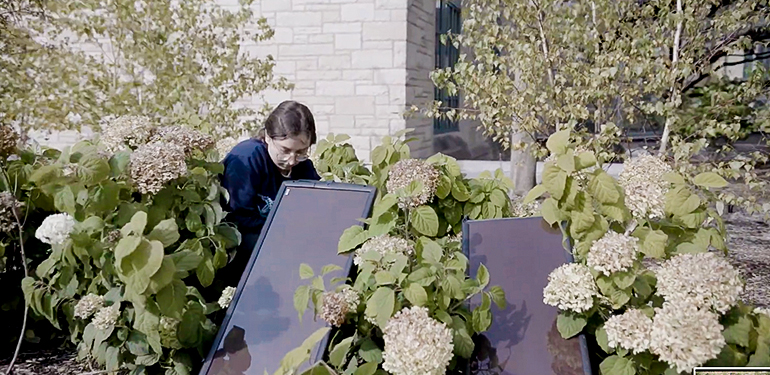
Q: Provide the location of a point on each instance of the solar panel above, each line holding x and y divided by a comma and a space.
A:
304, 226
520, 253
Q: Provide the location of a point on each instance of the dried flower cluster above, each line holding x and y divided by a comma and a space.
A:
571, 287
168, 328
404, 172
519, 209
126, 132
644, 186
106, 317
9, 140
384, 244
154, 164
88, 305
416, 344
226, 297
8, 206
113, 236
704, 280
684, 336
55, 229
224, 146
336, 305
612, 253
189, 139
630, 330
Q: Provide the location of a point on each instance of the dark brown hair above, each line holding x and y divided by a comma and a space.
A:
289, 119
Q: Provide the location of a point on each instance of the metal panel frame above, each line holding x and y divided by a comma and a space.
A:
318, 352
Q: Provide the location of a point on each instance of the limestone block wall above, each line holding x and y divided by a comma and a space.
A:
358, 65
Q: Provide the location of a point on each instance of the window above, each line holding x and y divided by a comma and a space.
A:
448, 18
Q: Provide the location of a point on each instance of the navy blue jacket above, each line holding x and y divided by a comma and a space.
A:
252, 180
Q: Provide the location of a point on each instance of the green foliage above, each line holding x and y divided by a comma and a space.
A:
151, 256
433, 277
47, 81
589, 203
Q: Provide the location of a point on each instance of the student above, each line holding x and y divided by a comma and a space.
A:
255, 169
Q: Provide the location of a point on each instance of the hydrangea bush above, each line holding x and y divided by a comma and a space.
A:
650, 285
129, 234
406, 310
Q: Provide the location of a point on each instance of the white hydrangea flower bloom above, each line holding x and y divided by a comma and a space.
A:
168, 330
416, 344
106, 317
187, 138
126, 132
224, 146
55, 229
684, 336
88, 305
762, 310
644, 186
384, 244
226, 297
154, 164
612, 253
404, 172
336, 305
705, 280
630, 330
571, 287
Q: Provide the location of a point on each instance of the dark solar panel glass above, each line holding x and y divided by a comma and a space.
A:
523, 339
262, 324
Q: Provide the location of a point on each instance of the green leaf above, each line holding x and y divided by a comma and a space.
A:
739, 332
92, 169
498, 296
305, 271
482, 276
604, 188
431, 251
614, 365
566, 162
113, 358
351, 238
370, 352
64, 200
584, 160
709, 180
463, 344
623, 279
444, 187
416, 294
534, 193
186, 260
190, 330
460, 191
340, 351
384, 278
554, 180
166, 232
425, 220
329, 268
163, 277
301, 299
380, 305
368, 368
557, 142
654, 244
172, 299
481, 319
570, 324
136, 225
601, 339
550, 211
498, 198
205, 272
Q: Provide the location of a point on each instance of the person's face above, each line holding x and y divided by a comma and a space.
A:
288, 152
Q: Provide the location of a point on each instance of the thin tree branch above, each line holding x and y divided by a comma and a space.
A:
674, 62
15, 211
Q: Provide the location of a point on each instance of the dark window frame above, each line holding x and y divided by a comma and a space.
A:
448, 18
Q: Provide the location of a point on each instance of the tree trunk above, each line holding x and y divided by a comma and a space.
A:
523, 163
